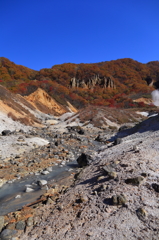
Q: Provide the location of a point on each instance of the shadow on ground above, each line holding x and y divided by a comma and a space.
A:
150, 124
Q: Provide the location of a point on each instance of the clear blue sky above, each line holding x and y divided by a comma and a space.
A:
41, 33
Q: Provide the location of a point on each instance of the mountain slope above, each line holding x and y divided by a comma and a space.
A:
44, 103
31, 110
110, 83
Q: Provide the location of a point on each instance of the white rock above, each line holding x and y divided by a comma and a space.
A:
42, 182
28, 189
70, 169
52, 122
18, 196
10, 181
63, 163
37, 173
45, 172
2, 181
49, 169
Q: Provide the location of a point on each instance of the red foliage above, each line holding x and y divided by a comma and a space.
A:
129, 77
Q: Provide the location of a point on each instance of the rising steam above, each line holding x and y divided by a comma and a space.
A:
155, 97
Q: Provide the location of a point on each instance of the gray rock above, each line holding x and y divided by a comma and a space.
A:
108, 169
6, 132
37, 173
84, 160
20, 225
135, 181
83, 198
20, 164
7, 234
81, 131
28, 189
21, 139
29, 221
141, 213
42, 182
18, 196
49, 201
155, 187
117, 141
119, 200
45, 172
112, 175
49, 169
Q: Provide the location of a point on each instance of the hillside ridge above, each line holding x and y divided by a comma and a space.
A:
111, 83
30, 110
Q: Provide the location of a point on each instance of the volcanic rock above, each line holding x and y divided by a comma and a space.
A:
42, 182
20, 225
84, 160
7, 234
6, 132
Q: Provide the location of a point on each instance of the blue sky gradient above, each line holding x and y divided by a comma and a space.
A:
39, 34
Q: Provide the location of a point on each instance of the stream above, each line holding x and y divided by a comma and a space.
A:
13, 196
9, 191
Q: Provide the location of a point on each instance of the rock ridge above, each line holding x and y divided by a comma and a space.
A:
90, 83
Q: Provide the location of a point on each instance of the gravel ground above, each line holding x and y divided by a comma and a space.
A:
115, 197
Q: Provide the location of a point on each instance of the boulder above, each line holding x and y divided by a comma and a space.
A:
107, 169
155, 187
20, 225
42, 182
81, 131
84, 160
141, 213
30, 221
7, 234
117, 141
135, 181
28, 189
6, 132
45, 172
119, 199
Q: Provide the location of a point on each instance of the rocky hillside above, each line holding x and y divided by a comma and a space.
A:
114, 195
113, 83
30, 110
44, 103
92, 82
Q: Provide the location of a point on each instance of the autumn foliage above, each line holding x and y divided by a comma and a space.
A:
128, 75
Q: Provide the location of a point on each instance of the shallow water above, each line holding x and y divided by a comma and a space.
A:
8, 192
